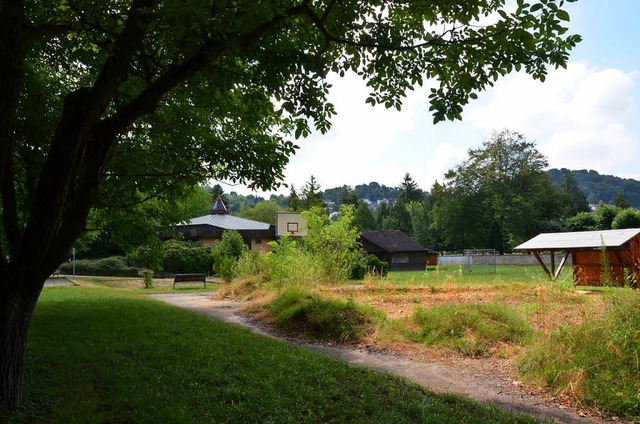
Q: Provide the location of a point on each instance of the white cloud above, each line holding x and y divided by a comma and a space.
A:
578, 116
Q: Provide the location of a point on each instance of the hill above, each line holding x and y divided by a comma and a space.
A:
372, 191
597, 187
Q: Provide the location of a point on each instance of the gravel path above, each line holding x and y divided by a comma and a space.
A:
476, 383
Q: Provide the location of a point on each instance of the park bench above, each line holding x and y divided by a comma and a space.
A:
190, 278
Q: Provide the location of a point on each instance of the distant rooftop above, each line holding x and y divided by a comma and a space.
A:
218, 207
393, 241
229, 222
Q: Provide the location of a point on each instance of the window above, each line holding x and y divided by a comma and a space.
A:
400, 260
257, 241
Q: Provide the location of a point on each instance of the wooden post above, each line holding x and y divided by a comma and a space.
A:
541, 263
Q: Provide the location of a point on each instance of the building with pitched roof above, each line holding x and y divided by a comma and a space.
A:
596, 255
400, 251
209, 228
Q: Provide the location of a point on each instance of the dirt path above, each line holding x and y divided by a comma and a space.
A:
468, 379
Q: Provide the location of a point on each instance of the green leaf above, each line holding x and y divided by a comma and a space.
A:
563, 15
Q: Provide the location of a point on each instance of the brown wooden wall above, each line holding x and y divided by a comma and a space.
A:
587, 267
587, 264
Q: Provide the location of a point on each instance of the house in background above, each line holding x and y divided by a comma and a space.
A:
209, 228
590, 252
400, 251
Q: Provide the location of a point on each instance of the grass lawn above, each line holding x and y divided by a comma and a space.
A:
504, 274
98, 354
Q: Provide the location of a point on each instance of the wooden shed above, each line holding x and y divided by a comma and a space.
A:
400, 251
593, 253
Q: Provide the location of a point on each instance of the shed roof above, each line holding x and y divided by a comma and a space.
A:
393, 241
579, 240
229, 222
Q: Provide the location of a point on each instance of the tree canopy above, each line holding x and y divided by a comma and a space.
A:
106, 106
498, 197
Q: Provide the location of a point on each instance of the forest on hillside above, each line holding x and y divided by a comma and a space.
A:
597, 187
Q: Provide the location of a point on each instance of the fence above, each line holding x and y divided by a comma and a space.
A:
504, 259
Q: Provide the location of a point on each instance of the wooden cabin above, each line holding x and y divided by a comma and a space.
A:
400, 251
591, 252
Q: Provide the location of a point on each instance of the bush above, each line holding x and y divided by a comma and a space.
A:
186, 257
117, 266
369, 264
225, 267
147, 276
325, 319
231, 244
596, 363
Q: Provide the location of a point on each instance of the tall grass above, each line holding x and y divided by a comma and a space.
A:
597, 363
323, 318
472, 329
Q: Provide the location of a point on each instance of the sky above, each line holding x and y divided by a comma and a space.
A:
582, 117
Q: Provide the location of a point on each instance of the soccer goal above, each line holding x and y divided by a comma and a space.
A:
479, 261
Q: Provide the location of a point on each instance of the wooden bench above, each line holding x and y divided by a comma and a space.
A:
190, 278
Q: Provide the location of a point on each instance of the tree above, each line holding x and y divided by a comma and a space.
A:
216, 191
263, 212
398, 218
621, 202
364, 219
312, 194
409, 191
573, 198
107, 107
626, 218
348, 196
604, 215
295, 204
498, 196
582, 221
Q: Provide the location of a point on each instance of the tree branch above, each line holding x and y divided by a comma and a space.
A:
147, 101
117, 65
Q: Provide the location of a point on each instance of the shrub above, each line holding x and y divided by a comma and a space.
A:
186, 257
225, 267
231, 244
596, 363
112, 266
147, 276
367, 264
321, 318
473, 329
226, 253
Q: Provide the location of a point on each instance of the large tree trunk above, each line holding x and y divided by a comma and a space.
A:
16, 307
